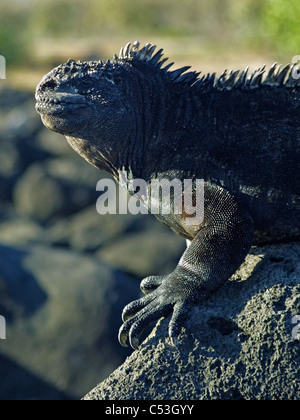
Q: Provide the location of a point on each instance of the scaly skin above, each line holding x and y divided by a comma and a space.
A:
240, 133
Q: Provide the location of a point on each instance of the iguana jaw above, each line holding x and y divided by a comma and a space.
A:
61, 111
58, 103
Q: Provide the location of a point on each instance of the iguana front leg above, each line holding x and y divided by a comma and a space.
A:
217, 250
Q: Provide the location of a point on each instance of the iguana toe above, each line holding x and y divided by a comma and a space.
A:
178, 319
151, 283
169, 297
134, 307
133, 328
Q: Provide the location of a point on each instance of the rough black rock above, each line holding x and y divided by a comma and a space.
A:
238, 345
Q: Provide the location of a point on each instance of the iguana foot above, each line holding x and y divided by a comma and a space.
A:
164, 295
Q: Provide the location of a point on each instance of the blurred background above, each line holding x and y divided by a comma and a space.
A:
65, 271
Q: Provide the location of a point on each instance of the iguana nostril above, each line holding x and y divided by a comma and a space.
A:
50, 84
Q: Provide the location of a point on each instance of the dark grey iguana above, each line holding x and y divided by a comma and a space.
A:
239, 132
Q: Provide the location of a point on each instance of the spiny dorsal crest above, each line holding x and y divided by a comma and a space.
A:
133, 53
289, 76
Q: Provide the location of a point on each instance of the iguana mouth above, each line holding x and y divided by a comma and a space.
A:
59, 103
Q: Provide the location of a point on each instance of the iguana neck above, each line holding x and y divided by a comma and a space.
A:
151, 98
175, 123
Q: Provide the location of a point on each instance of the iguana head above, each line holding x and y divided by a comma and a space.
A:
103, 108
87, 103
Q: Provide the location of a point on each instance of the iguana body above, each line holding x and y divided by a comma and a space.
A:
240, 133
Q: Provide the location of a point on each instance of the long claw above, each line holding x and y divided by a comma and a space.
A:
134, 327
174, 341
139, 326
128, 327
178, 318
134, 307
123, 336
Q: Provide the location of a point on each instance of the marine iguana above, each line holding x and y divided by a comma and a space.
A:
239, 132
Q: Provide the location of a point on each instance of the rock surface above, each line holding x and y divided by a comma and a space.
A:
241, 344
55, 187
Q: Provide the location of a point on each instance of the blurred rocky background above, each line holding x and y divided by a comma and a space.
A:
65, 272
